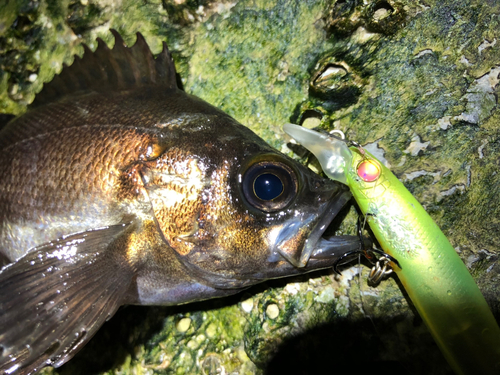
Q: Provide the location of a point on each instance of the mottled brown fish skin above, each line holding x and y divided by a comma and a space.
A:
130, 191
58, 180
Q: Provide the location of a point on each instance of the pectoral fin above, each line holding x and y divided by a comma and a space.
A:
55, 298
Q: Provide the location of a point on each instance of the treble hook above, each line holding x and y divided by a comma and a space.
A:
381, 269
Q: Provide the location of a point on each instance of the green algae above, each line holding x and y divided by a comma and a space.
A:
421, 88
204, 344
266, 78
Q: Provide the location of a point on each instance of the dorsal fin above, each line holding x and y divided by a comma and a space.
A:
119, 68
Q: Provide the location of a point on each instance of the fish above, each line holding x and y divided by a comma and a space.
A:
437, 281
118, 188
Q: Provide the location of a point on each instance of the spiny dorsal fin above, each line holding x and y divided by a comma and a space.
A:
119, 68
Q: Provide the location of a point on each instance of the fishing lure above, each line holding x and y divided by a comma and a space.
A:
437, 281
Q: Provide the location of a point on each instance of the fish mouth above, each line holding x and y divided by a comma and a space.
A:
311, 245
314, 246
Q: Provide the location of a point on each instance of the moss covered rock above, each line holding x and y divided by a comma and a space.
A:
414, 81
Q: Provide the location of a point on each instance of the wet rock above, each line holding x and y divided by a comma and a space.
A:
418, 80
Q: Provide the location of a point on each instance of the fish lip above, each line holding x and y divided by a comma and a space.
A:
326, 218
318, 220
339, 246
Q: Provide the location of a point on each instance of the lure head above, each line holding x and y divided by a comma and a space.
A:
351, 166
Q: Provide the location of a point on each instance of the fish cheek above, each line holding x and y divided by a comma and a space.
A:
227, 252
232, 236
246, 246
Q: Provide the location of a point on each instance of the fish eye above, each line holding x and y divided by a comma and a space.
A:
269, 185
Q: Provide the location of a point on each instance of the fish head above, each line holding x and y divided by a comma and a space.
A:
235, 210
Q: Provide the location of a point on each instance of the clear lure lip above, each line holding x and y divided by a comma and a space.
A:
332, 153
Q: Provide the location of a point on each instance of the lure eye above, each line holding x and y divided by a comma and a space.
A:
269, 185
368, 170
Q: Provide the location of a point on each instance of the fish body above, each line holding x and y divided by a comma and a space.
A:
117, 187
437, 281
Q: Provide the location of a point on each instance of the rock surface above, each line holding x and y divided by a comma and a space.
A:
415, 81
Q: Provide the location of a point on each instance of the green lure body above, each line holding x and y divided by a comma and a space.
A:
437, 281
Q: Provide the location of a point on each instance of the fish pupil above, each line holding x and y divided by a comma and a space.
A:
268, 186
